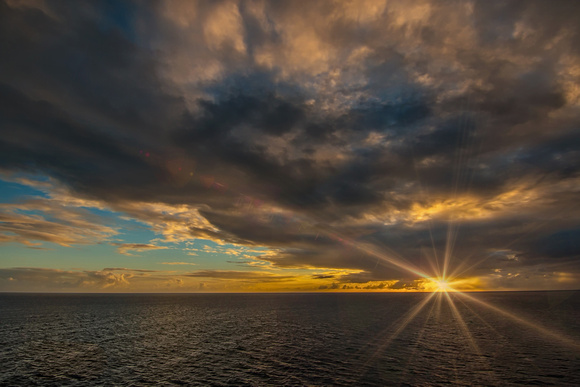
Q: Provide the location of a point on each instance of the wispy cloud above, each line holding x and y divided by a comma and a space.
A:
34, 221
125, 248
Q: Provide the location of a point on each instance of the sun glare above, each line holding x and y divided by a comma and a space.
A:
441, 285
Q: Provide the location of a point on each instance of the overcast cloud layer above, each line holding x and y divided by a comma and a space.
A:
365, 142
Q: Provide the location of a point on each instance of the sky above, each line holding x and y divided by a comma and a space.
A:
243, 146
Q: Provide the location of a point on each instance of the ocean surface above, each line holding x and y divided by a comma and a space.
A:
330, 339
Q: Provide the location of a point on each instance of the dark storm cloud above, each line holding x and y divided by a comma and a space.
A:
499, 21
78, 99
322, 276
403, 117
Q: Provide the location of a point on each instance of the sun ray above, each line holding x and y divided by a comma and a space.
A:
391, 258
425, 193
506, 340
568, 341
432, 262
411, 358
462, 325
438, 271
403, 322
449, 246
438, 310
461, 268
487, 324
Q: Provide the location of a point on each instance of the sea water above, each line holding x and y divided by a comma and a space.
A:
328, 339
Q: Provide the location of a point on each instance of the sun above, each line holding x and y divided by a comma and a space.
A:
440, 285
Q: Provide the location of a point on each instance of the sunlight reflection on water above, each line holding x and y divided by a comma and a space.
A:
285, 339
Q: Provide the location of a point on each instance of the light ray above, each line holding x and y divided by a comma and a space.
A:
411, 357
490, 327
449, 246
404, 321
465, 329
528, 231
438, 310
432, 264
392, 258
438, 271
568, 341
462, 325
425, 193
479, 317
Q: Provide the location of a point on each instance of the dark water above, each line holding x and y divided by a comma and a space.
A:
288, 339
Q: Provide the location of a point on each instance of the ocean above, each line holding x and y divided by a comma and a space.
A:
322, 339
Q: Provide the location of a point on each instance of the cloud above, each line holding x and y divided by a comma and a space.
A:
421, 129
35, 221
322, 276
126, 269
254, 276
125, 248
105, 280
39, 279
